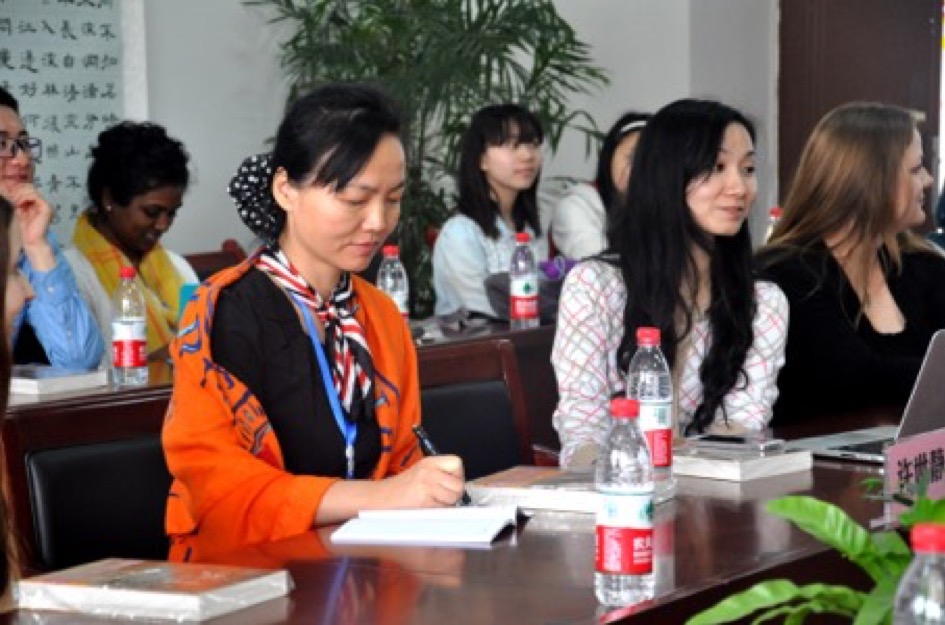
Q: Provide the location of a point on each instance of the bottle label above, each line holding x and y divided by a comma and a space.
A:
523, 303
656, 421
401, 300
625, 533
129, 343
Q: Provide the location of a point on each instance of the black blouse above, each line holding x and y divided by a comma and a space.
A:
836, 362
258, 336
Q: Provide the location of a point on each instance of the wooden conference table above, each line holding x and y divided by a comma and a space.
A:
711, 541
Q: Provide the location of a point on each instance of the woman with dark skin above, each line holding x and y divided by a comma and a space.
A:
136, 182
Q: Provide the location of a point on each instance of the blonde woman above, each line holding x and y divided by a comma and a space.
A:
865, 293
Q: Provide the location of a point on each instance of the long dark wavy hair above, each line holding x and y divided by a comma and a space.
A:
651, 239
493, 126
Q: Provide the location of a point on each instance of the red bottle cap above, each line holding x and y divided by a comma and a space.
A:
522, 237
928, 538
648, 336
391, 250
127, 272
624, 408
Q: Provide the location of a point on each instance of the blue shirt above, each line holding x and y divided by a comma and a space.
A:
59, 316
464, 257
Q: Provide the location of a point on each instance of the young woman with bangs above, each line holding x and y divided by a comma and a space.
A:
499, 168
866, 293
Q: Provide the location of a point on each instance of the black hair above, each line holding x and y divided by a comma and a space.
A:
604, 181
652, 235
7, 100
493, 126
133, 158
329, 134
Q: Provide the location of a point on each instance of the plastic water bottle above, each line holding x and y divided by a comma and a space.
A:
624, 478
523, 285
392, 279
650, 383
774, 216
129, 332
920, 599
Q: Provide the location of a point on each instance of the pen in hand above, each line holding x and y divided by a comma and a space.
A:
426, 446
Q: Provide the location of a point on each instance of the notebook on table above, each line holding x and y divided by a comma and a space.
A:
924, 412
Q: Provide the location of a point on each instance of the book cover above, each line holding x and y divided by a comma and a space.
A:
738, 465
141, 589
42, 379
461, 526
537, 488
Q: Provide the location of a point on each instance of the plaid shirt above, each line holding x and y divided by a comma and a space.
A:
589, 331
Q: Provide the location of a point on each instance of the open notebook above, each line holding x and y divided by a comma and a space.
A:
924, 412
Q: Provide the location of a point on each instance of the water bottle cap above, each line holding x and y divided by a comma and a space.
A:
648, 336
391, 250
928, 538
126, 272
775, 212
522, 237
624, 408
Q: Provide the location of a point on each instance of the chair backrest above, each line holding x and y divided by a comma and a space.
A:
206, 264
473, 404
87, 478
101, 500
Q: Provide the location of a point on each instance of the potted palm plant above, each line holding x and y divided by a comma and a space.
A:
442, 60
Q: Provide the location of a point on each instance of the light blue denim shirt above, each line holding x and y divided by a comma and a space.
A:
464, 257
59, 316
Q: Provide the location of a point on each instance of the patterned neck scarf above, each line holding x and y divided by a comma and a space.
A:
345, 344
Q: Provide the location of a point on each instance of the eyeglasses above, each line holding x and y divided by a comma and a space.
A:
11, 146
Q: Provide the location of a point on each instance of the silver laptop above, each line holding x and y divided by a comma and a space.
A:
924, 412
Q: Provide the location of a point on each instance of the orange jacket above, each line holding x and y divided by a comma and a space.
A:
230, 484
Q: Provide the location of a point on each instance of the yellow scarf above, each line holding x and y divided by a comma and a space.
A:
158, 280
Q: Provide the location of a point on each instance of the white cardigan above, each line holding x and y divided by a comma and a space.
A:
99, 301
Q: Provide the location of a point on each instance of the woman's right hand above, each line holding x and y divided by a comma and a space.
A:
433, 482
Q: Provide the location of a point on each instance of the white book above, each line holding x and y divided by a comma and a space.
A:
461, 526
141, 589
43, 379
738, 465
537, 488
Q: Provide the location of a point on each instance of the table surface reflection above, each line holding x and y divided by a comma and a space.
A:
711, 540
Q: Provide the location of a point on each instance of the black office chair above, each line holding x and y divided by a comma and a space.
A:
99, 500
473, 405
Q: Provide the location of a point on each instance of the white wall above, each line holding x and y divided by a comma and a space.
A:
734, 58
214, 81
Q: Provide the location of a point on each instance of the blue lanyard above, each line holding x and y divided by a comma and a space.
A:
349, 429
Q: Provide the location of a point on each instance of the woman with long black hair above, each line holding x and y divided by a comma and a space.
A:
679, 258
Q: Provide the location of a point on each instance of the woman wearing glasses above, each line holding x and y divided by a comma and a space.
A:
56, 327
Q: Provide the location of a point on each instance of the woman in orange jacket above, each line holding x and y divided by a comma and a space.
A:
295, 383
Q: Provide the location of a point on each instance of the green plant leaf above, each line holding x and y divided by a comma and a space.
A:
832, 526
924, 510
877, 607
776, 596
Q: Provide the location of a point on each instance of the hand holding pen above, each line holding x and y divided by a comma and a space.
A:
428, 449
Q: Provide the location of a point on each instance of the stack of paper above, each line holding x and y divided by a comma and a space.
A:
464, 526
